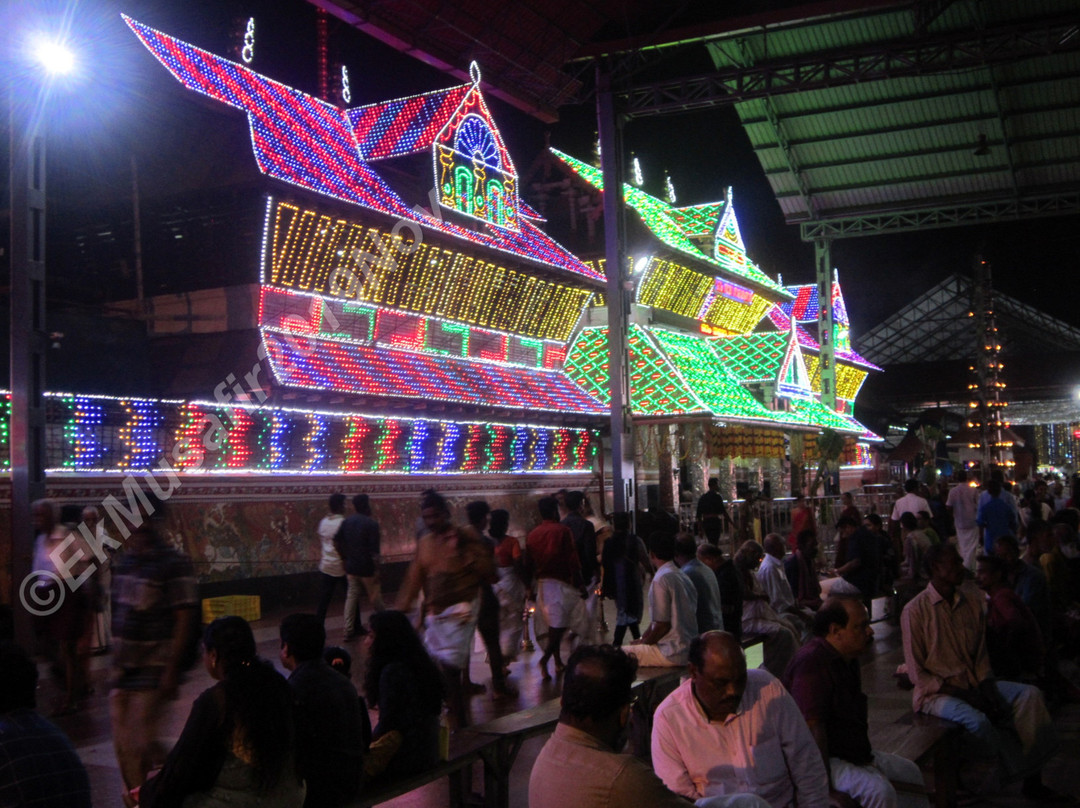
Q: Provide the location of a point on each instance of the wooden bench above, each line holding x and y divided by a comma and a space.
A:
465, 750
507, 734
928, 741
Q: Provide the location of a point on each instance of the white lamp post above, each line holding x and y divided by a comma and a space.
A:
28, 94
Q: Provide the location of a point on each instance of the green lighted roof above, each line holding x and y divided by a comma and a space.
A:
679, 374
753, 357
655, 388
657, 216
696, 362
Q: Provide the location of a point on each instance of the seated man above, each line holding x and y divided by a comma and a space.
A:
709, 616
944, 631
38, 764
775, 584
1013, 638
672, 606
861, 569
825, 681
729, 731
781, 635
727, 580
801, 571
581, 766
329, 725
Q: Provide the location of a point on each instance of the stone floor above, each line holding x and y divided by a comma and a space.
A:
90, 732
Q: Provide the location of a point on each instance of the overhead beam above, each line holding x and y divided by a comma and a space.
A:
790, 160
953, 51
1006, 210
1056, 79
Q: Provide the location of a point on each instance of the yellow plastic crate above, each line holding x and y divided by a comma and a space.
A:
248, 607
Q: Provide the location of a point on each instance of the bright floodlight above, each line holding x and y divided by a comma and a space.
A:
55, 57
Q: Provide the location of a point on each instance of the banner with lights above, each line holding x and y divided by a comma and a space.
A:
109, 434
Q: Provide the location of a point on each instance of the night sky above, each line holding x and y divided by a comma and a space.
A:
127, 103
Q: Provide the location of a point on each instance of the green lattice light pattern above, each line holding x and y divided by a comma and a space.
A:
678, 374
655, 386
752, 357
697, 363
657, 217
698, 220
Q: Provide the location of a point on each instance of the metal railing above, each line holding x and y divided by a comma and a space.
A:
774, 516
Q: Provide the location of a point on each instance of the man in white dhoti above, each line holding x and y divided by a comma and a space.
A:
553, 566
449, 567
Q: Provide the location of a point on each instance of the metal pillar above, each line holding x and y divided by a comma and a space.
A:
28, 340
618, 295
826, 326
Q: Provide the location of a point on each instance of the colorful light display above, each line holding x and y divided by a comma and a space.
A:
752, 357
307, 142
679, 374
804, 308
698, 220
365, 370
654, 389
122, 435
849, 379
721, 304
695, 361
308, 252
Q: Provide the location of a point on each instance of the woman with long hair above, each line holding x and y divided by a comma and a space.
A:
405, 685
239, 743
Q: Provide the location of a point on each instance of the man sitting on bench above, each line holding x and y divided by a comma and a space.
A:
825, 681
944, 630
580, 765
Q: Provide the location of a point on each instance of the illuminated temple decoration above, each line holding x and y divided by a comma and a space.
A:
121, 435
804, 310
460, 301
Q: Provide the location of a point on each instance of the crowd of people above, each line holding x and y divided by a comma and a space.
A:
986, 633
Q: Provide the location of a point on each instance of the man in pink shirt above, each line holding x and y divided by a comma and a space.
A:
727, 731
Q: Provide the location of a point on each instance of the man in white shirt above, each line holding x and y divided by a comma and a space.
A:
774, 582
963, 505
727, 731
331, 566
672, 608
911, 502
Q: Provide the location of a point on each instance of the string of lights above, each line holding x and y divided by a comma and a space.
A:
106, 434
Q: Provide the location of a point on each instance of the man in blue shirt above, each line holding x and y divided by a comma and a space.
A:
995, 517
